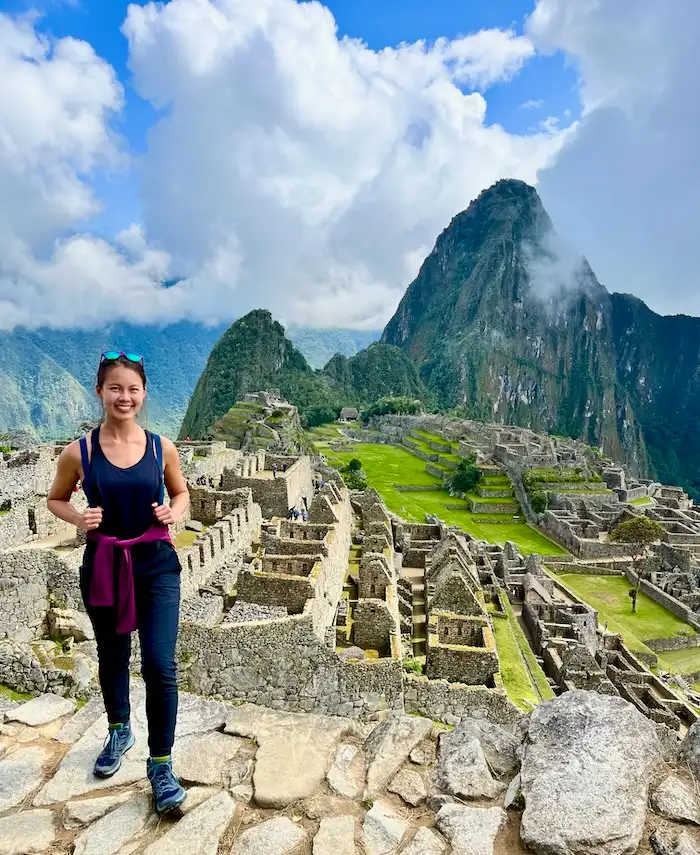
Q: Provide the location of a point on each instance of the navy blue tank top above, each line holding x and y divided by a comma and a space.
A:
125, 495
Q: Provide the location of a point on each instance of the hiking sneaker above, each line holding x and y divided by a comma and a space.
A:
167, 790
119, 741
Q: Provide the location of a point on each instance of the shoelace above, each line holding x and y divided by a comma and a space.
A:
162, 779
111, 746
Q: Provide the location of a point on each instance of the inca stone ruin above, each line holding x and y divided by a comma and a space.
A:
363, 637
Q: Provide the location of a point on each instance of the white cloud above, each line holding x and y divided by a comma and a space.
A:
627, 185
532, 104
331, 164
291, 169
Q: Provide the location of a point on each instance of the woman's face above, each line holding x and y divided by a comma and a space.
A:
122, 394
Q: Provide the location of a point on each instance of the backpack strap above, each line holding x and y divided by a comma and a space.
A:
158, 451
85, 460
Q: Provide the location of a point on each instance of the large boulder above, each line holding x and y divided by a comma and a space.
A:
388, 747
498, 744
585, 774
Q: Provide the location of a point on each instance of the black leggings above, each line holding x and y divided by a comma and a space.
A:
157, 595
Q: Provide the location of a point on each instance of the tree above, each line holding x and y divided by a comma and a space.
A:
354, 465
466, 476
637, 534
354, 477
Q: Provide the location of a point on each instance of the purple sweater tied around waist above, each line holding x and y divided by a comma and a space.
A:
102, 585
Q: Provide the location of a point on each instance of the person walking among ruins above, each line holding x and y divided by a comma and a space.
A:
130, 577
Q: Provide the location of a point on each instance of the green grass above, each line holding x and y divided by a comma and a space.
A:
6, 692
609, 595
387, 465
516, 680
544, 690
645, 500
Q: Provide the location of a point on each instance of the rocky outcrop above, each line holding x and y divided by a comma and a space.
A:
587, 764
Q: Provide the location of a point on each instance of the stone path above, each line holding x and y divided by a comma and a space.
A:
262, 782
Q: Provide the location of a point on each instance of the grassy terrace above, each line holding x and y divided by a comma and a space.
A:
609, 595
387, 465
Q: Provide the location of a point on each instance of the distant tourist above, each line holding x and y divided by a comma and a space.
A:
305, 516
284, 467
274, 470
306, 504
124, 470
296, 514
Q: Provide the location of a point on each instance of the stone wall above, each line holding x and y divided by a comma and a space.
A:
449, 702
283, 665
675, 642
373, 626
276, 495
221, 544
23, 594
473, 666
275, 590
208, 505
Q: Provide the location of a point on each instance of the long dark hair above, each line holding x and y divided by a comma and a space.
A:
106, 364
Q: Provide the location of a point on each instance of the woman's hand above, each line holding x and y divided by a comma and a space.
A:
90, 519
163, 514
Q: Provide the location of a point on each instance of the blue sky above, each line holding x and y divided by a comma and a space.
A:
546, 84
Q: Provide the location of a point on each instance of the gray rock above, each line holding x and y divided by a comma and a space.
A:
301, 745
389, 745
20, 774
426, 842
410, 786
336, 836
30, 832
279, 836
42, 710
67, 623
112, 831
690, 749
471, 830
77, 724
423, 755
85, 811
383, 829
6, 705
498, 744
462, 769
671, 841
347, 773
676, 799
194, 525
199, 831
200, 758
514, 796
351, 653
585, 775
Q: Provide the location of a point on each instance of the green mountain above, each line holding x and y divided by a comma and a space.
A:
503, 324
47, 376
254, 353
319, 345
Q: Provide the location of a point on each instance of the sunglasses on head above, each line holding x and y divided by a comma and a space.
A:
110, 355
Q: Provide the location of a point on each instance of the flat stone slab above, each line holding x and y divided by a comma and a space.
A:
347, 773
74, 777
676, 799
109, 834
7, 705
42, 710
199, 831
426, 842
200, 758
30, 832
301, 745
389, 745
383, 829
471, 830
77, 724
279, 836
336, 836
85, 811
410, 786
21, 772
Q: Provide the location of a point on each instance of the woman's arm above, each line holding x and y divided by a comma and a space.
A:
68, 473
176, 486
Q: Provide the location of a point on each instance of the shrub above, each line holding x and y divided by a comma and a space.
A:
465, 477
411, 665
539, 501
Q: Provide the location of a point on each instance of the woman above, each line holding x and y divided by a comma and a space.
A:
130, 577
